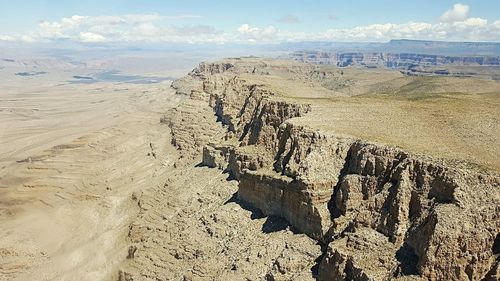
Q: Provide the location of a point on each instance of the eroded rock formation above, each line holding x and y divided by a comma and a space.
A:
380, 212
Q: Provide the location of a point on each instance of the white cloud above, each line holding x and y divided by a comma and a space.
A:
459, 12
50, 30
134, 27
454, 24
477, 22
247, 32
471, 29
27, 39
246, 29
89, 37
7, 38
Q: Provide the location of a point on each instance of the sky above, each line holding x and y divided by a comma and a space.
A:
256, 21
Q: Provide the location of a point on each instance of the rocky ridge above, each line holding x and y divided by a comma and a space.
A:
392, 60
379, 212
408, 63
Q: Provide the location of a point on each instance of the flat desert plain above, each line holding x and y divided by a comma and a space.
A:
71, 155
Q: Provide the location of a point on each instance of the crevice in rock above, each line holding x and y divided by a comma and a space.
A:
496, 245
247, 101
249, 126
492, 274
283, 138
288, 156
415, 206
256, 125
408, 261
334, 211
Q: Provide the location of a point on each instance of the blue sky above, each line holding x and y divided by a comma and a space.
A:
253, 21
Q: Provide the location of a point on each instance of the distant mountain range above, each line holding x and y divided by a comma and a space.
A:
392, 60
409, 56
403, 46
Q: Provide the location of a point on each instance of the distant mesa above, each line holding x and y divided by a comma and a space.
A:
9, 60
408, 63
391, 60
410, 57
442, 48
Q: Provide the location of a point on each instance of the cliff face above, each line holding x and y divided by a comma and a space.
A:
428, 212
392, 60
379, 211
408, 63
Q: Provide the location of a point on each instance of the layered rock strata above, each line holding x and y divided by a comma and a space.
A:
380, 212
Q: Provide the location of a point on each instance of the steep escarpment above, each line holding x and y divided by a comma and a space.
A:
443, 222
380, 212
395, 60
300, 183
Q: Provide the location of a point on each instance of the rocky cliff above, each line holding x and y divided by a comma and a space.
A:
378, 211
410, 63
391, 60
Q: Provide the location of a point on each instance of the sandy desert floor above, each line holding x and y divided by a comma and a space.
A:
70, 158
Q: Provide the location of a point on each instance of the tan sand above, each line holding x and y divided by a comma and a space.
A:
70, 158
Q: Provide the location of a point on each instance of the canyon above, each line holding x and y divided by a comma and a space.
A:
293, 171
408, 63
248, 169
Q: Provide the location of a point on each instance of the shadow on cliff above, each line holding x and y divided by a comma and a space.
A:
230, 174
275, 224
272, 223
256, 213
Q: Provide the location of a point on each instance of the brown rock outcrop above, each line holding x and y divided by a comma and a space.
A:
363, 255
380, 212
422, 207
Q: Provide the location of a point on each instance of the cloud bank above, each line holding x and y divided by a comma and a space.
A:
454, 24
123, 28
